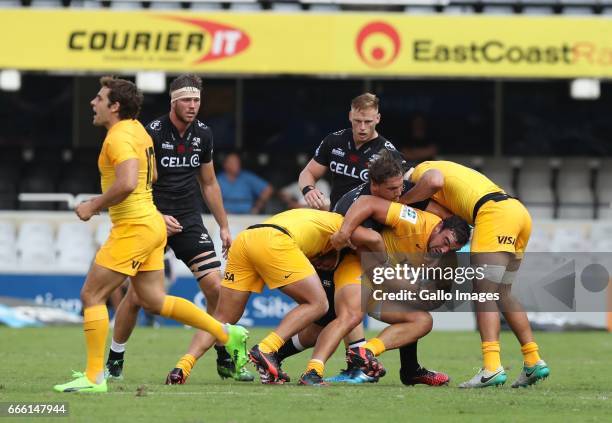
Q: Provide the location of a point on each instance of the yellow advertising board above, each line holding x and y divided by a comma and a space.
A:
303, 43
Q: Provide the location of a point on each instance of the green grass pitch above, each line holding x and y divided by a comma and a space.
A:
579, 388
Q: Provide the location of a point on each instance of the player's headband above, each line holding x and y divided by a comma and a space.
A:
185, 92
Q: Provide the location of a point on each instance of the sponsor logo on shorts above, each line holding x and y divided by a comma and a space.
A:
204, 239
506, 240
409, 214
228, 277
338, 152
326, 283
167, 146
136, 264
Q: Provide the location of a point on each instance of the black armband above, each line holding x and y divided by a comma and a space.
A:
307, 189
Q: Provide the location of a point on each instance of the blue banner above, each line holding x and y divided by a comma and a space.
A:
63, 291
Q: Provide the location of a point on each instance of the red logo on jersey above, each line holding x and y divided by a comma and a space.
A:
180, 149
353, 158
378, 44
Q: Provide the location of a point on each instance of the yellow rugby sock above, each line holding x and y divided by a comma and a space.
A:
95, 326
271, 343
186, 363
316, 365
188, 313
490, 355
530, 354
376, 346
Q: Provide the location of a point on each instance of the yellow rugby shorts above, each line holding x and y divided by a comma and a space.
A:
134, 246
264, 255
348, 272
502, 226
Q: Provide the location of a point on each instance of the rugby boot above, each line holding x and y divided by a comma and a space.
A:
176, 377
485, 378
425, 377
268, 366
531, 375
311, 378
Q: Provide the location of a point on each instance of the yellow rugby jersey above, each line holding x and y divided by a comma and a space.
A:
310, 228
128, 139
408, 229
463, 187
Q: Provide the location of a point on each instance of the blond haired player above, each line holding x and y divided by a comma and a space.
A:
135, 246
502, 226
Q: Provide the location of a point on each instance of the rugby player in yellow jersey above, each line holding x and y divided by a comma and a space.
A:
502, 226
135, 246
277, 253
408, 230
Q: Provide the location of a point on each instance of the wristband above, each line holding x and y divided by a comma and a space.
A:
307, 189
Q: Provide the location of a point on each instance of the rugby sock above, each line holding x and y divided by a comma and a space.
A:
186, 363
188, 313
490, 354
316, 365
359, 343
376, 346
530, 354
409, 363
271, 343
116, 351
95, 325
291, 347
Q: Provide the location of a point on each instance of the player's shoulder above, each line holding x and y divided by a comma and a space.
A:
338, 138
385, 143
157, 125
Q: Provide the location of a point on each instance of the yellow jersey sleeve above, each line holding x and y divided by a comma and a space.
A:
119, 150
399, 213
462, 189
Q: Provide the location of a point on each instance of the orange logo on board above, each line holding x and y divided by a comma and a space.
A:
378, 44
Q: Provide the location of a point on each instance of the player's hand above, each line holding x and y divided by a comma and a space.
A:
85, 210
340, 240
173, 226
226, 241
315, 199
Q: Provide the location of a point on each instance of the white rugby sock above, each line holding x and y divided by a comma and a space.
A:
117, 347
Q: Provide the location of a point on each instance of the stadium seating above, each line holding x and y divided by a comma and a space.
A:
415, 7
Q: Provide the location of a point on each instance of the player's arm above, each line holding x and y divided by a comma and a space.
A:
211, 193
365, 207
437, 209
126, 181
307, 180
428, 184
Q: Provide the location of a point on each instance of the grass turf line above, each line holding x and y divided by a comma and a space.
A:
579, 389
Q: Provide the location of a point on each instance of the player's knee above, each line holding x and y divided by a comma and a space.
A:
321, 307
350, 318
425, 322
151, 306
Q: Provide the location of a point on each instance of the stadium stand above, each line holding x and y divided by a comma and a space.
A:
416, 7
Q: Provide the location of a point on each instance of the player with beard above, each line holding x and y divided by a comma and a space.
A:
183, 148
385, 181
346, 154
